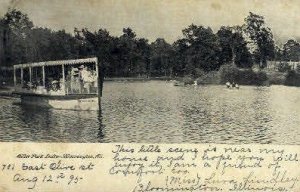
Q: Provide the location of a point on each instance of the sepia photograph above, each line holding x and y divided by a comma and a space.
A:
158, 71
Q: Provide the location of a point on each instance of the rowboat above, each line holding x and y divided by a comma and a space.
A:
178, 83
63, 84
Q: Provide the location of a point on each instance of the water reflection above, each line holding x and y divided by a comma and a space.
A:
101, 126
159, 112
31, 123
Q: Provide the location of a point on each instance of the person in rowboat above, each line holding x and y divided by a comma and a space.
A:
228, 84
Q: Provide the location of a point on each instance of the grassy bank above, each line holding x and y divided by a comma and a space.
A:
164, 78
276, 77
230, 73
288, 78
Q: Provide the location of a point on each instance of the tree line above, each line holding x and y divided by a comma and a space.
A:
200, 50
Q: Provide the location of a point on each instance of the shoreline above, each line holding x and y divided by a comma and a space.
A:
138, 78
6, 92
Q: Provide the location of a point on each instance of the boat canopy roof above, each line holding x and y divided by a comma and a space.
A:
58, 62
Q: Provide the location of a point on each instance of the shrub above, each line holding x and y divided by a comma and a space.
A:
261, 78
292, 79
276, 78
228, 72
283, 67
188, 80
298, 68
211, 77
199, 72
244, 77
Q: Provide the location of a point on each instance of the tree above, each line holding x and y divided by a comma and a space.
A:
161, 56
233, 47
278, 56
2, 41
291, 50
261, 36
15, 29
39, 44
62, 46
225, 37
180, 48
202, 47
143, 57
127, 45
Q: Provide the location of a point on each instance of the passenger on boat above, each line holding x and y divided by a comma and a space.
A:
55, 85
62, 85
29, 85
68, 82
81, 74
75, 82
86, 78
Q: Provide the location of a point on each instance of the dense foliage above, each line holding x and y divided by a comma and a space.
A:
198, 52
230, 73
292, 78
262, 38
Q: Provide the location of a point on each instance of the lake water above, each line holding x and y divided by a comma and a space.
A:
157, 111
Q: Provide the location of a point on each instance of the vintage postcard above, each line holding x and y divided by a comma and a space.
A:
149, 95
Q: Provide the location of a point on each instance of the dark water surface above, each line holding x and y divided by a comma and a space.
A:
156, 111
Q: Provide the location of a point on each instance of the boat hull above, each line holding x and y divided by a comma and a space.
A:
70, 102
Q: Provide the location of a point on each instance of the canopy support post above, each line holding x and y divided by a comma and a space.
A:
30, 75
97, 73
22, 81
15, 78
43, 71
99, 85
63, 78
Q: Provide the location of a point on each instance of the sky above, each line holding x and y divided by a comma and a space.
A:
153, 19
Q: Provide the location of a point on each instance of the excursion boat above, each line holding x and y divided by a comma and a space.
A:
63, 84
